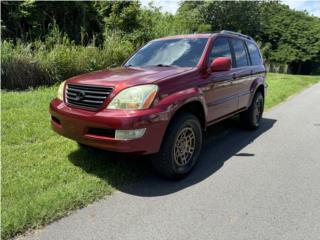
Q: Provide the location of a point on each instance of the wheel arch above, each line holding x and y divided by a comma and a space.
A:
189, 101
260, 88
257, 86
194, 107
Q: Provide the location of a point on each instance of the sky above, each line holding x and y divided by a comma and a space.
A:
311, 6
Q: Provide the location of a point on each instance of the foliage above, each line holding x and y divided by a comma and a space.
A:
55, 173
55, 55
123, 16
32, 20
189, 17
294, 37
153, 24
21, 71
286, 36
47, 42
238, 16
63, 29
45, 63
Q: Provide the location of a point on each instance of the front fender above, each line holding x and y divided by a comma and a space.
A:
173, 102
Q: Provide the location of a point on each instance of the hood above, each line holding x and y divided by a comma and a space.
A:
126, 76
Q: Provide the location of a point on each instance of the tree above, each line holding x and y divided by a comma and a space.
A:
294, 37
239, 16
31, 20
286, 36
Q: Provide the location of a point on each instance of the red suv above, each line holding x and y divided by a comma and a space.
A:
163, 97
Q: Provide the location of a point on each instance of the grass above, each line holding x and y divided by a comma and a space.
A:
282, 86
44, 176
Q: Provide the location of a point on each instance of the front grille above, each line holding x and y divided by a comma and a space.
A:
85, 96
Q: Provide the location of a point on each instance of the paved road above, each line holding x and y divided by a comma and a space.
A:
248, 185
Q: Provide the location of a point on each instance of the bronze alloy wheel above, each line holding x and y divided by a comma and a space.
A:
181, 147
184, 146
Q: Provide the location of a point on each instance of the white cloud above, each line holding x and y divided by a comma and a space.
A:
312, 7
170, 6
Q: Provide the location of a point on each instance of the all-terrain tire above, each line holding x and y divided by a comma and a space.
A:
251, 117
169, 161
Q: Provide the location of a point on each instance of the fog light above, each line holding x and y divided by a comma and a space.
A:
130, 134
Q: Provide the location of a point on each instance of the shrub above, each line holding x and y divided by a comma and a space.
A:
19, 69
42, 63
20, 73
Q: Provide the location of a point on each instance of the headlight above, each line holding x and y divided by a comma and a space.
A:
138, 97
60, 91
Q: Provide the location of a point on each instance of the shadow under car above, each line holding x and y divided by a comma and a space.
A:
221, 142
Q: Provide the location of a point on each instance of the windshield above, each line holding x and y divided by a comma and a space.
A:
183, 52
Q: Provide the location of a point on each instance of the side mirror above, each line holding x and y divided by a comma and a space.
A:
220, 64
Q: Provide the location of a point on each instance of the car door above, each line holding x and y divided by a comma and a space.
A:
242, 71
220, 92
256, 70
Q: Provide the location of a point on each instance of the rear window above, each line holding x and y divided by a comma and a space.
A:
240, 52
254, 53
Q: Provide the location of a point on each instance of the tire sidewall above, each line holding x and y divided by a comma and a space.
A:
195, 125
257, 97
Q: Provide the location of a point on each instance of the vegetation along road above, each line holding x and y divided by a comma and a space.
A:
44, 176
247, 185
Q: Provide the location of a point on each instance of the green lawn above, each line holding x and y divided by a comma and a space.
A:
281, 86
44, 175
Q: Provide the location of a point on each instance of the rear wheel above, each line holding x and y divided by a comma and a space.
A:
180, 148
252, 116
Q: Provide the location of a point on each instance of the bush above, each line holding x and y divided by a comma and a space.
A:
19, 69
47, 63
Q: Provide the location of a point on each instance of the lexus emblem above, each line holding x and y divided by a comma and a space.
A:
80, 96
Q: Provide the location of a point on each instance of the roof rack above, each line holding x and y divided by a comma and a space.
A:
236, 33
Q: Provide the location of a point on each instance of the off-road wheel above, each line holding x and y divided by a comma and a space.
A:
180, 148
252, 116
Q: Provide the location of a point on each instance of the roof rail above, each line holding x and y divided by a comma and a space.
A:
236, 33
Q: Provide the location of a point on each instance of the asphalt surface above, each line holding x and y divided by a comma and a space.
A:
247, 185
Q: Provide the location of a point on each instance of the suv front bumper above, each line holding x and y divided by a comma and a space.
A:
97, 128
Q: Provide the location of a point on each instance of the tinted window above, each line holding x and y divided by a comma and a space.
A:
240, 52
183, 52
254, 53
220, 48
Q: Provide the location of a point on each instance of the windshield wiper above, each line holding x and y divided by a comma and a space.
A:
158, 65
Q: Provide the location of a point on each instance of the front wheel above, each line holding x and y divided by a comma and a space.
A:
252, 116
180, 148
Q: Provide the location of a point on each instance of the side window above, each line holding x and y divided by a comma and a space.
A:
254, 53
220, 48
240, 52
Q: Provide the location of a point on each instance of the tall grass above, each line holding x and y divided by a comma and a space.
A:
46, 63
